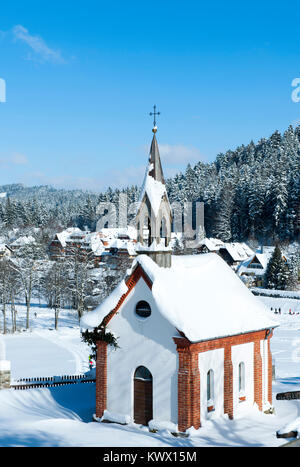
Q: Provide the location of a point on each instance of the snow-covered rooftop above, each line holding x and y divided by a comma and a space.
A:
262, 258
155, 246
212, 244
238, 251
199, 295
65, 234
123, 245
24, 240
119, 232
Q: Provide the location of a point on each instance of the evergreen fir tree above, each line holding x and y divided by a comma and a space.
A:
278, 274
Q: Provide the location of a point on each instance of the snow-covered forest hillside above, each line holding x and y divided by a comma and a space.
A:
251, 192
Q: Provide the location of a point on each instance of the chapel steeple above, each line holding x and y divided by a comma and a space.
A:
154, 215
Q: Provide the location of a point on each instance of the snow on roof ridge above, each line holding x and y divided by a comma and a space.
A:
155, 246
238, 251
24, 240
154, 189
65, 234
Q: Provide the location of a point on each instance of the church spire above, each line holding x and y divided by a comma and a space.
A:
154, 215
156, 172
154, 158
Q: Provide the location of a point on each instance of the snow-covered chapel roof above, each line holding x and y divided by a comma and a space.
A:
199, 295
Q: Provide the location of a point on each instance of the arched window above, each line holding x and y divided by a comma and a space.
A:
142, 373
147, 231
241, 377
210, 387
143, 309
163, 230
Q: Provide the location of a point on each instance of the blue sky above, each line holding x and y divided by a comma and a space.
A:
82, 77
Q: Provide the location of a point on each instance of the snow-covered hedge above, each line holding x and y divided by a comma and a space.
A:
276, 293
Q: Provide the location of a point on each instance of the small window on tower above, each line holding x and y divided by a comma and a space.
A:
143, 309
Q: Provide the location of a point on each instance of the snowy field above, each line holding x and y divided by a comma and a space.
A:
42, 351
62, 416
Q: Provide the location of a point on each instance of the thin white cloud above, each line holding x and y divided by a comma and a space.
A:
174, 159
37, 45
179, 154
19, 159
112, 178
14, 159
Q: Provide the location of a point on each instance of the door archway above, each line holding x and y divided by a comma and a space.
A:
143, 397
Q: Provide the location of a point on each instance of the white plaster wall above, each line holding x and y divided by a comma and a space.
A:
243, 353
264, 356
146, 342
212, 359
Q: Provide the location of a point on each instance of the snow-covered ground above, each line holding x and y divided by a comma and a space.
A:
42, 351
62, 416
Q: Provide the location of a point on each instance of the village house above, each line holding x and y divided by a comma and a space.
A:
121, 252
109, 246
21, 242
119, 245
122, 233
235, 253
253, 269
193, 341
58, 244
209, 245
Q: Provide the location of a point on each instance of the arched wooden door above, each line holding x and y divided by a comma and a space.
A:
143, 400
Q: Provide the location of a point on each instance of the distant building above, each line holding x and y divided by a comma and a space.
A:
253, 269
121, 251
58, 244
108, 246
210, 245
22, 241
122, 233
235, 253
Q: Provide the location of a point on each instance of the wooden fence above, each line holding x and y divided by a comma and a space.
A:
287, 396
52, 381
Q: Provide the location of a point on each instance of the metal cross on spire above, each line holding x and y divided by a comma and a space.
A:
154, 113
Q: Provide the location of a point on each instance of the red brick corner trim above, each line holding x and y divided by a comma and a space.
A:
188, 390
101, 378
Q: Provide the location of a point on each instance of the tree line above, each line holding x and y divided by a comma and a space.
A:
69, 283
249, 193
